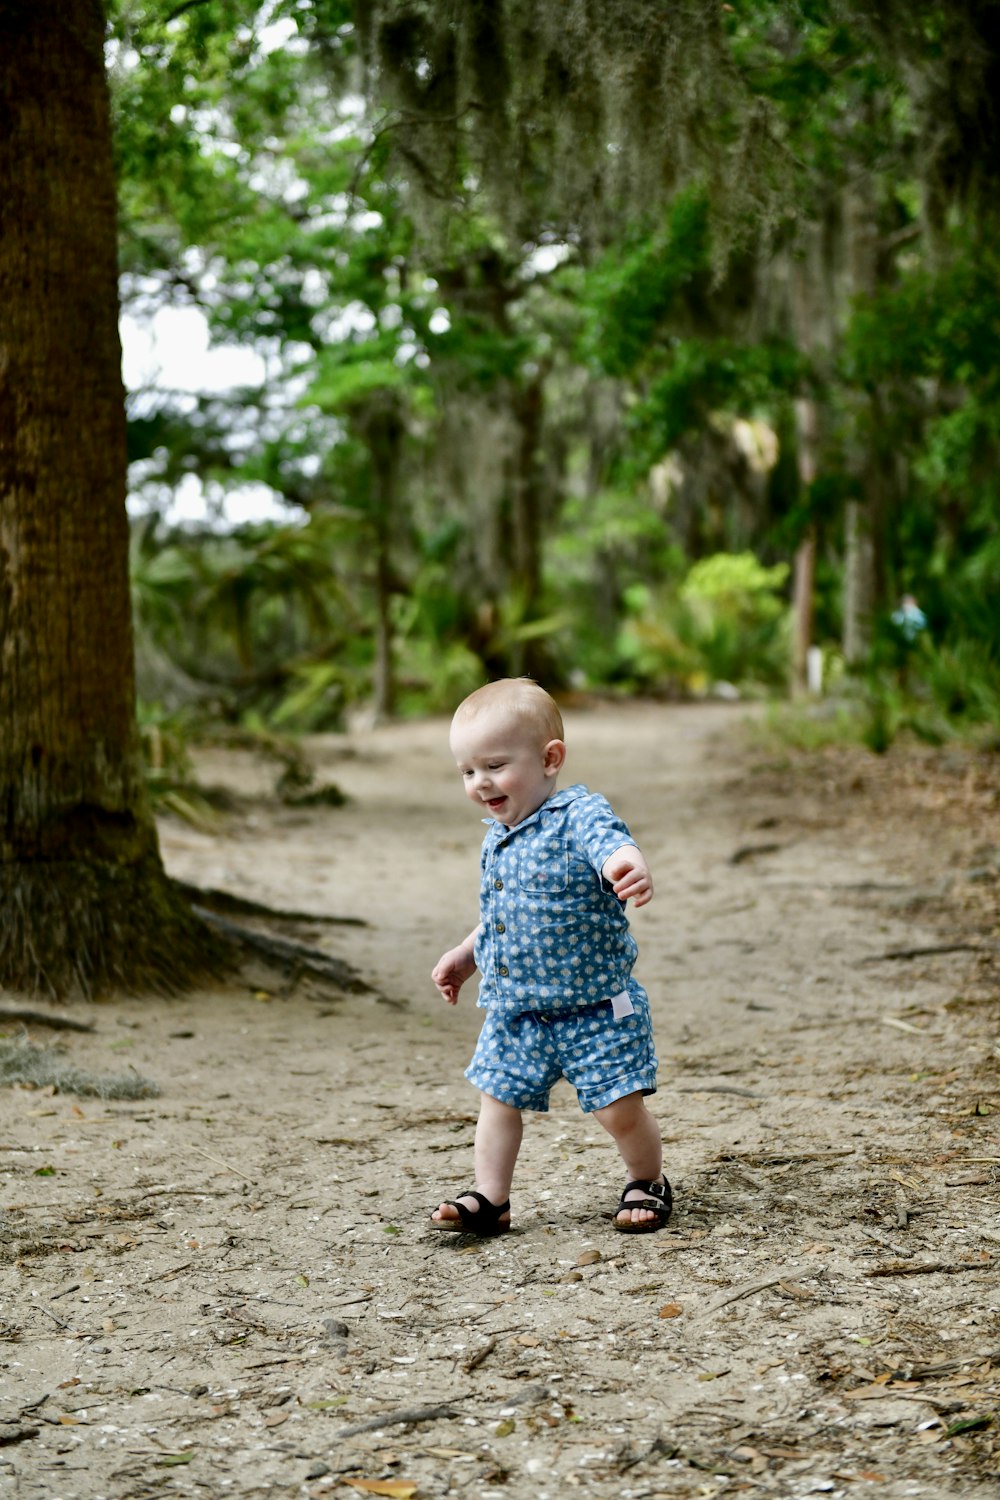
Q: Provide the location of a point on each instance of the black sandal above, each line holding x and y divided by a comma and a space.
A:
484, 1221
660, 1202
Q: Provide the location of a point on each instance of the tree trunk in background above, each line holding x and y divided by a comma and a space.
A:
813, 309
859, 582
804, 576
529, 656
85, 906
384, 431
863, 519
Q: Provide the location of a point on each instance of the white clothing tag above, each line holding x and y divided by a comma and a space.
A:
621, 1005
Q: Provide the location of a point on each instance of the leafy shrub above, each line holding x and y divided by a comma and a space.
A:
727, 622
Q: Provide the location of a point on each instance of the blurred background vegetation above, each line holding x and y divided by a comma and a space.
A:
638, 357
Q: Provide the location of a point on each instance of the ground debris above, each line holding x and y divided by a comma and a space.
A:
21, 1062
299, 1295
407, 1417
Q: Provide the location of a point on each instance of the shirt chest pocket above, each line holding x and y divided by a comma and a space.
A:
543, 869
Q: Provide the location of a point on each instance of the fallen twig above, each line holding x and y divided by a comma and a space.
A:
928, 1268
721, 1088
785, 1274
475, 1360
220, 1163
894, 953
61, 1321
402, 1418
166, 1275
903, 1025
949, 1366
783, 1158
750, 851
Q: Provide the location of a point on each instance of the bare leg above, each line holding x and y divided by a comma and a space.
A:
637, 1136
498, 1140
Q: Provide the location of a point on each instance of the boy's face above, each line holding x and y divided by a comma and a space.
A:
505, 769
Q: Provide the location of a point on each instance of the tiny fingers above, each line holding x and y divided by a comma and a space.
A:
637, 888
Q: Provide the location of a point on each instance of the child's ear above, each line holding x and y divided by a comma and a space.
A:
553, 757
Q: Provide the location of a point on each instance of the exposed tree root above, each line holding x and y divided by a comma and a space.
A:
42, 1018
77, 929
80, 928
225, 903
290, 957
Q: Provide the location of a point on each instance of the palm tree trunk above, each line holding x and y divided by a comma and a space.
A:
84, 902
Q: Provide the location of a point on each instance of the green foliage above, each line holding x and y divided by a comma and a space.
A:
737, 585
313, 697
724, 623
258, 618
492, 463
643, 284
738, 618
344, 385
812, 727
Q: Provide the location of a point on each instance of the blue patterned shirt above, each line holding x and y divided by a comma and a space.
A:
554, 936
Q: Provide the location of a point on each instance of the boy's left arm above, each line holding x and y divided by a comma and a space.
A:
627, 872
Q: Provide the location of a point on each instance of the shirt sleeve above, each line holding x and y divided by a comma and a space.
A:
598, 829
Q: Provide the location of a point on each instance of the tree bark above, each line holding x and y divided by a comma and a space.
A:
804, 575
813, 295
531, 655
862, 550
859, 582
84, 902
384, 430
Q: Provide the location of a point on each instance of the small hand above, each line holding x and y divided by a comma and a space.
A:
452, 970
628, 874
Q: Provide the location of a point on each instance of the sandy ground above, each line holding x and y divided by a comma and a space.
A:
230, 1288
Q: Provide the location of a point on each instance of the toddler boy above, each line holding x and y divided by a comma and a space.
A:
555, 956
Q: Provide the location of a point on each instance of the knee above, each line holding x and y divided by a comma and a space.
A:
622, 1115
496, 1109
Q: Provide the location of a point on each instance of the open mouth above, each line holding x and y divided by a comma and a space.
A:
494, 802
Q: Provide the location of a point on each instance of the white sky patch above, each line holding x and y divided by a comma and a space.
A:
276, 34
192, 504
171, 351
545, 258
354, 318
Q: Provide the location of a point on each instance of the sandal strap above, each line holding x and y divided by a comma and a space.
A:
489, 1213
658, 1190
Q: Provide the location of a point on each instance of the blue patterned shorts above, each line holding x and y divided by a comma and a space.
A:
519, 1057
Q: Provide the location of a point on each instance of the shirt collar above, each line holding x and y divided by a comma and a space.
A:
561, 797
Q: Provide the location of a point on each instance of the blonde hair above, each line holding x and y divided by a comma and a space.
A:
519, 697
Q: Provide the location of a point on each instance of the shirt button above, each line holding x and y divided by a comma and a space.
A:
498, 885
501, 927
504, 971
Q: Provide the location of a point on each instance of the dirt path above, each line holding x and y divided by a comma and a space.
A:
230, 1288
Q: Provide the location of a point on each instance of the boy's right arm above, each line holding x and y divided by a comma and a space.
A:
455, 967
